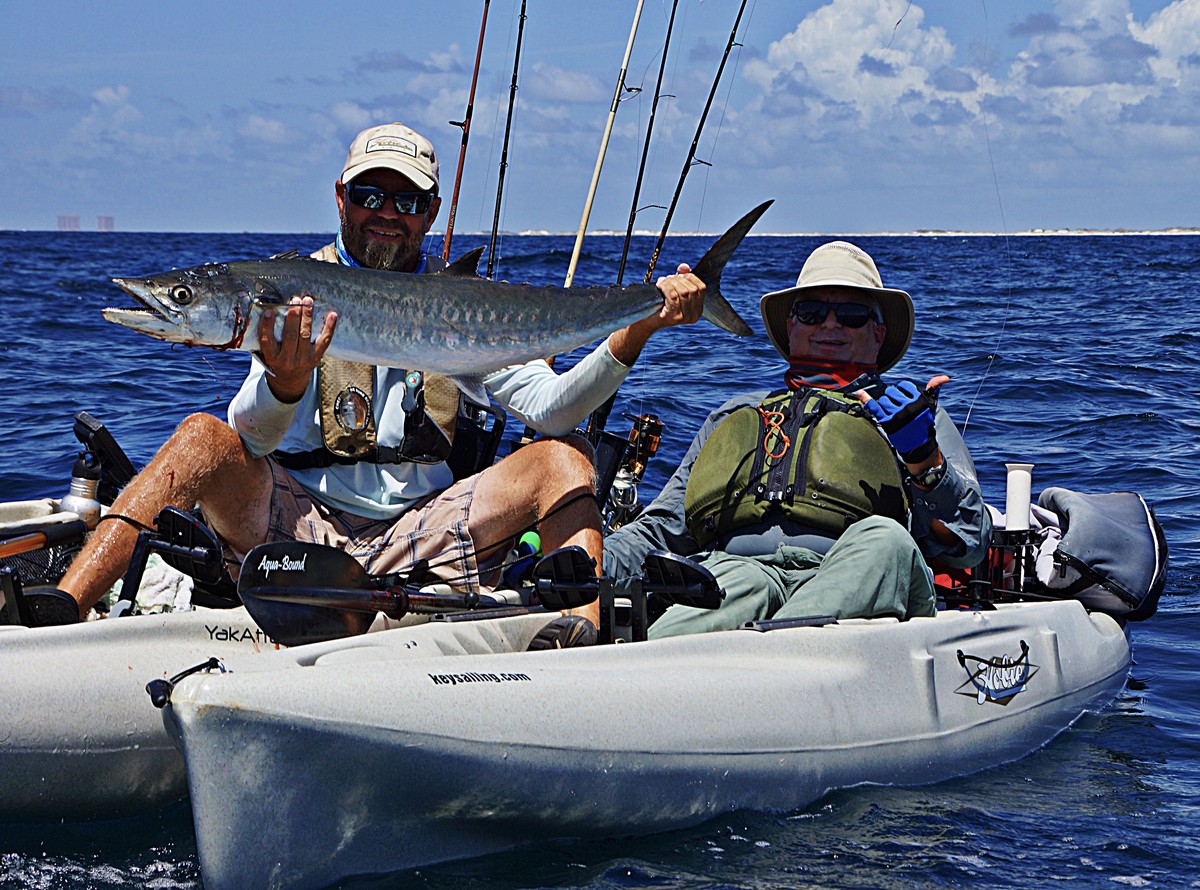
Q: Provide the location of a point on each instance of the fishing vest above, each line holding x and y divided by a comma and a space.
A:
347, 410
811, 457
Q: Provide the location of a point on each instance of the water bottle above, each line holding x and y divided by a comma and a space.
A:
85, 480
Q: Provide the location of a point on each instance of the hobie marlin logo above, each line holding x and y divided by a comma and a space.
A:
283, 564
998, 679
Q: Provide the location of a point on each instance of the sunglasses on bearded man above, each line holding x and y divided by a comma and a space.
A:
372, 197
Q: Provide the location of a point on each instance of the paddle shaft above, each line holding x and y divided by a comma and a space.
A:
395, 602
56, 533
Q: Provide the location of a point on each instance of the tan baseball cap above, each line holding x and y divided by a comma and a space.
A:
844, 264
394, 147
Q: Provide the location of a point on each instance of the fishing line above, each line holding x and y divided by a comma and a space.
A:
899, 22
724, 108
487, 176
1007, 241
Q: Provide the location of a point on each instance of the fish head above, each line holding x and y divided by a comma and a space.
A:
201, 306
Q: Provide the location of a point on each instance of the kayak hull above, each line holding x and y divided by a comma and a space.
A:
374, 755
79, 738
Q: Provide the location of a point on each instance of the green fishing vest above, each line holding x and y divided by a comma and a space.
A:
812, 457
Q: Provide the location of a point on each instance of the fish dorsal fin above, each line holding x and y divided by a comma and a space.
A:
286, 255
467, 264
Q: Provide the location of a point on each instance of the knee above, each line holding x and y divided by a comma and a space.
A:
204, 434
575, 444
201, 427
885, 535
569, 458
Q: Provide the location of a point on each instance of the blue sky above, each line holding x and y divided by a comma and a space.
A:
855, 115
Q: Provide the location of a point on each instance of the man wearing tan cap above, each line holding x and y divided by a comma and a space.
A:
824, 497
354, 456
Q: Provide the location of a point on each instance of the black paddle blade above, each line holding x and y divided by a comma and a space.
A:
566, 579
281, 565
674, 579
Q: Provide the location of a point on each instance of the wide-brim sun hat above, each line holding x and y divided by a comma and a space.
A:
393, 147
840, 263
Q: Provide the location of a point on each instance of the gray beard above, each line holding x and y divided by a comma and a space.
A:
398, 256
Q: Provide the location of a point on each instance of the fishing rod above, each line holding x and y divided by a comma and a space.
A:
465, 125
599, 418
591, 195
608, 125
687, 165
512, 99
637, 188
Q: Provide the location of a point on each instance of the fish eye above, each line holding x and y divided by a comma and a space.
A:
181, 294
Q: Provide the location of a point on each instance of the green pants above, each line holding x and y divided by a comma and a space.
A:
874, 570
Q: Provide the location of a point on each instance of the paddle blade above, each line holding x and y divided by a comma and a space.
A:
566, 579
283, 565
669, 579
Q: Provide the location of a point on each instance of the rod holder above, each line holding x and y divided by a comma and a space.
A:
1016, 505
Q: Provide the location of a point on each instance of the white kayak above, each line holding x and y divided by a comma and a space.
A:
416, 745
78, 736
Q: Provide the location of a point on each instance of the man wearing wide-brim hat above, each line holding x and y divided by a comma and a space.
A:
824, 496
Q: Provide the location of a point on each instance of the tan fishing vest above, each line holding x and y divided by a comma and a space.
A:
347, 394
811, 457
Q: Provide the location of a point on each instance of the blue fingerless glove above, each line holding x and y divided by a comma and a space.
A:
905, 414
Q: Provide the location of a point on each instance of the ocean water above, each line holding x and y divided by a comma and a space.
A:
1079, 354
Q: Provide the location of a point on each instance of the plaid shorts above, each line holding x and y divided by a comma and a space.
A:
434, 529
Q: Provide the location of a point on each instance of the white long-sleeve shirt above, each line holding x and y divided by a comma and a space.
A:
553, 404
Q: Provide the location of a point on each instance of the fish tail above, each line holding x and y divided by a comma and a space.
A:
716, 308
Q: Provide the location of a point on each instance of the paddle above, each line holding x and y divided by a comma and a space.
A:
306, 593
669, 579
50, 534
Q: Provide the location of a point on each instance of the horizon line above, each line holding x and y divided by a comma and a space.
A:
547, 233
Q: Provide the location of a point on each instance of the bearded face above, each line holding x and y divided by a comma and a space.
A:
382, 238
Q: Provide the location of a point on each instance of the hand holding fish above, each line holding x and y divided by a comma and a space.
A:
683, 303
291, 359
683, 299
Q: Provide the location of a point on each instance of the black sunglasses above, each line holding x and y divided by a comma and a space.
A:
372, 198
848, 315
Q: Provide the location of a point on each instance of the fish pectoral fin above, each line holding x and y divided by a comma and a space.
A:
472, 387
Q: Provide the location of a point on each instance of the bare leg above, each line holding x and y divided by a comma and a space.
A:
529, 485
202, 463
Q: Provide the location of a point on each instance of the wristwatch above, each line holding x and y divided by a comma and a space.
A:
930, 478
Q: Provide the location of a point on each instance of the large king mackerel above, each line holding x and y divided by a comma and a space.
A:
453, 323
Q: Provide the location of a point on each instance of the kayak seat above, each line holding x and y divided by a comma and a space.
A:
39, 541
